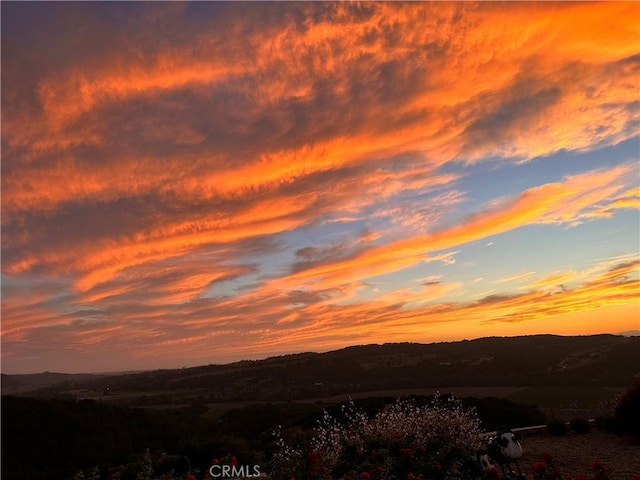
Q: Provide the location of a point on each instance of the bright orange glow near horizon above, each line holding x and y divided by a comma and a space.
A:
189, 183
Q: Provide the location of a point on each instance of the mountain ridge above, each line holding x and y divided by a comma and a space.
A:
540, 360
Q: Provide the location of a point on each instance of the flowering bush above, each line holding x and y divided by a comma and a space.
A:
405, 441
390, 463
545, 470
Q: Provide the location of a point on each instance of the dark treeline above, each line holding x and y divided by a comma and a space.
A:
54, 438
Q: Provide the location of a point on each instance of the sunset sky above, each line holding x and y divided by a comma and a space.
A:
194, 183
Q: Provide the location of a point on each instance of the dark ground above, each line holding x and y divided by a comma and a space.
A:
573, 454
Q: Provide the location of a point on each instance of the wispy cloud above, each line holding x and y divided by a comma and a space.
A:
513, 278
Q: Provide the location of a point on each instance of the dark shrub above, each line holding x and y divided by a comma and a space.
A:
627, 412
557, 427
499, 412
606, 422
580, 425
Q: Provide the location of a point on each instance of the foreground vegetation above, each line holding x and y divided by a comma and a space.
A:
54, 438
424, 437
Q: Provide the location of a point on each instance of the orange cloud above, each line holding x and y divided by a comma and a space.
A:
388, 318
479, 94
549, 203
552, 281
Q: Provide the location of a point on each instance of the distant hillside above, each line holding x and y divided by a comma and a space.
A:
539, 360
24, 383
630, 333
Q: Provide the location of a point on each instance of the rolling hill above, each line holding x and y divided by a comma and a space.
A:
538, 360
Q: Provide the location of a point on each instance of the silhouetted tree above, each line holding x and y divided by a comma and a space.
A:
627, 412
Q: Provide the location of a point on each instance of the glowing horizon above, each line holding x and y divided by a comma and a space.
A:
192, 183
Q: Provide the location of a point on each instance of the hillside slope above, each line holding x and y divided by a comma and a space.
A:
539, 360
